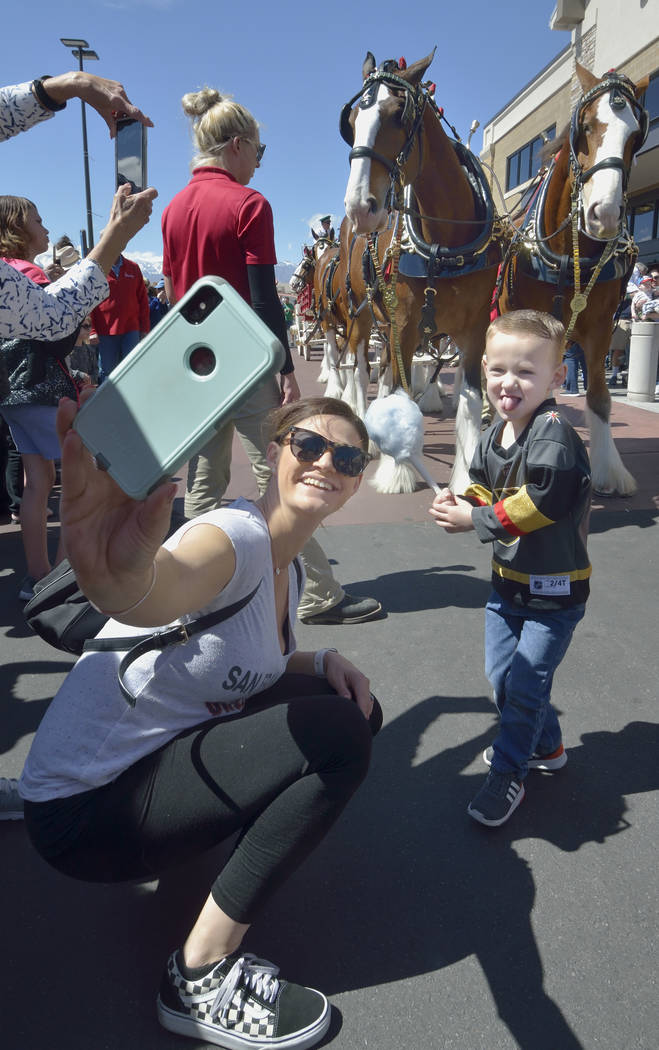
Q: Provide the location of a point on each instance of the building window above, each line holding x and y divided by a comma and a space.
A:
525, 163
644, 221
650, 99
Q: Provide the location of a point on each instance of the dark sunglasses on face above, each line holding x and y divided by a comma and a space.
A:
260, 149
307, 446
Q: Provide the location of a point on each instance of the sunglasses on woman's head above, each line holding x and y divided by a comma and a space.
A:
307, 446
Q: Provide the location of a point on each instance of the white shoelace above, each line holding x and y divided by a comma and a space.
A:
258, 974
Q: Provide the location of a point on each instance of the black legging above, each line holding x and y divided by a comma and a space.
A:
281, 774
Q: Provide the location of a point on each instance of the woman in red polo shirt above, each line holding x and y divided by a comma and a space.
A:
217, 225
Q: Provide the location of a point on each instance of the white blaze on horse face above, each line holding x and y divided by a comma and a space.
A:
364, 212
603, 193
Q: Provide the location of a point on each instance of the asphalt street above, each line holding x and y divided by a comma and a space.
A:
425, 929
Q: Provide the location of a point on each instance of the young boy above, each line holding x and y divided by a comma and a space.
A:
530, 497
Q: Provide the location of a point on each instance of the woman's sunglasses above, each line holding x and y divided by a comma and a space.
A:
307, 446
260, 149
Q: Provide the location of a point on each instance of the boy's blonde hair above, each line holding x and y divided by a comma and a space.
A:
216, 119
529, 322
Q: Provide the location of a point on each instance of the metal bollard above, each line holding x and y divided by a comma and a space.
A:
643, 358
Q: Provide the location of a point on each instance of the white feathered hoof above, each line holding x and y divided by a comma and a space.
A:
334, 387
459, 480
392, 478
430, 401
610, 476
349, 394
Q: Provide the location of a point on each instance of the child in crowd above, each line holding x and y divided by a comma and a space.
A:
530, 497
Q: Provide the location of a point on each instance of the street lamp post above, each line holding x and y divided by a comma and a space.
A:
81, 50
475, 124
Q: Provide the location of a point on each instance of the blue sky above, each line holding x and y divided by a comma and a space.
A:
293, 65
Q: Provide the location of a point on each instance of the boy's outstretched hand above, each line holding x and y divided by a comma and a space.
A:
453, 515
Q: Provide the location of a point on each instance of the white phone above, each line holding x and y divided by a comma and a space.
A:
163, 402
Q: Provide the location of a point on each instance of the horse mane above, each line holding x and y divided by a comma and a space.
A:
554, 146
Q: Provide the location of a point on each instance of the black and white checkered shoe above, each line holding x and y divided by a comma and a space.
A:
241, 1002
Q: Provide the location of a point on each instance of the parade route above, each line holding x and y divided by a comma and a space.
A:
424, 929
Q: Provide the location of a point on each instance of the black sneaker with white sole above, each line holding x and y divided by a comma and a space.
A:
241, 1002
499, 796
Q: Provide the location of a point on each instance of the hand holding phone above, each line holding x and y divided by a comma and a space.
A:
165, 400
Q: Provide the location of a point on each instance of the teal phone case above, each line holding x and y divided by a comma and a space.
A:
153, 412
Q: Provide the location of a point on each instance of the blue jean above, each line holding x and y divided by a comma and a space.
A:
112, 349
523, 648
575, 358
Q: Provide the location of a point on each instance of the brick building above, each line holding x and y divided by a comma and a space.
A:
605, 34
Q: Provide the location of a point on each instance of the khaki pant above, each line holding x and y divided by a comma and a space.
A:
209, 473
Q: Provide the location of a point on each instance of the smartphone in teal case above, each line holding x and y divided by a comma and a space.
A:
164, 401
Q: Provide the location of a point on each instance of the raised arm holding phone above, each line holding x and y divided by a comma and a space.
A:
27, 310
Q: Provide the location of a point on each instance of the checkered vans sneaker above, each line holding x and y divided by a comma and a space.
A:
499, 796
545, 763
240, 1003
11, 803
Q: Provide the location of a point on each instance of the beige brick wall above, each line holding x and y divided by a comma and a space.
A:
643, 63
555, 110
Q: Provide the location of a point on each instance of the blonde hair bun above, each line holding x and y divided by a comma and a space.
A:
196, 103
216, 119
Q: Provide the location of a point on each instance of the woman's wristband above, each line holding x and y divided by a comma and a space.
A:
319, 661
124, 612
42, 96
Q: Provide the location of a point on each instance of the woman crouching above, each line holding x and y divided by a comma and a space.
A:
232, 731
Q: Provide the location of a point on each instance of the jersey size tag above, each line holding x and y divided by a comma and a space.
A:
549, 584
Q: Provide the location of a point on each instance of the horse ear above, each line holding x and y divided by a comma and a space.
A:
414, 73
369, 65
587, 79
314, 235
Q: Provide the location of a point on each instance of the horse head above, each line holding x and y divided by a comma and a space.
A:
608, 127
383, 131
304, 271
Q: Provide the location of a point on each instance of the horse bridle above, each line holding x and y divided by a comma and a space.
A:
621, 91
415, 101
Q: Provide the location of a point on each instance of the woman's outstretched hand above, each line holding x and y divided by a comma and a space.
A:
110, 539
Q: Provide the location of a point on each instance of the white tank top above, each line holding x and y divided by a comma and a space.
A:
90, 735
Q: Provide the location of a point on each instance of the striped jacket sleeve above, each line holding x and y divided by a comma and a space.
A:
547, 493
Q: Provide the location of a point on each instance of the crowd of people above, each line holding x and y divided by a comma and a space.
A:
236, 731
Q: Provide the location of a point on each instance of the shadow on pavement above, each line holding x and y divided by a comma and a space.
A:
409, 884
416, 590
404, 885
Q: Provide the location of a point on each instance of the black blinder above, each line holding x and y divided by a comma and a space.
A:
345, 127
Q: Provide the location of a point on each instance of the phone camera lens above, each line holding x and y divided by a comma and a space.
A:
202, 361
